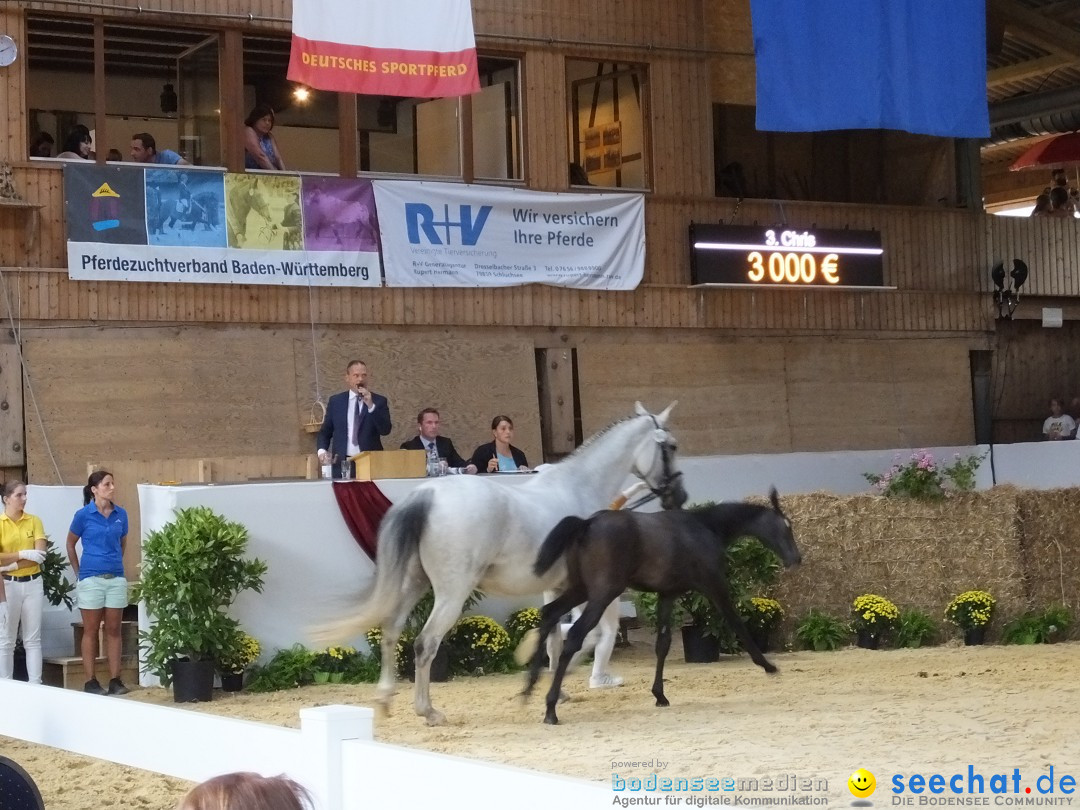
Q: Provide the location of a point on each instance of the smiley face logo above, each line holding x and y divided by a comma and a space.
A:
862, 783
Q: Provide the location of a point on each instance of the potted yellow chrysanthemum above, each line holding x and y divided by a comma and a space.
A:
873, 617
971, 611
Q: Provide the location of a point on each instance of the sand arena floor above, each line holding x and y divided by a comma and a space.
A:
934, 710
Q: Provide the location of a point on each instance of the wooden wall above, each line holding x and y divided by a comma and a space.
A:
151, 393
785, 395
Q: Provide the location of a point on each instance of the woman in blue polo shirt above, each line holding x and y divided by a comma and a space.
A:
103, 591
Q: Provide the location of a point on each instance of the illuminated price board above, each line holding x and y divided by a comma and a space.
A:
762, 256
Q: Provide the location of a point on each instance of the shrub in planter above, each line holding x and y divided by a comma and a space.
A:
915, 629
520, 622
971, 610
1038, 628
820, 631
288, 669
479, 645
873, 618
193, 569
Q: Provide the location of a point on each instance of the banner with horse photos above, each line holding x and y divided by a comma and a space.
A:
150, 224
457, 235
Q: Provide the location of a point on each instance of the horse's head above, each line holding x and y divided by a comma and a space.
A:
654, 462
778, 535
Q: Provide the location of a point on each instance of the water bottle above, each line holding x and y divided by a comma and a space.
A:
432, 461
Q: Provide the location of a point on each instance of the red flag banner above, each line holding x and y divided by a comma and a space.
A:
409, 48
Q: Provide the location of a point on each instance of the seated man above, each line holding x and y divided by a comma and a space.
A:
144, 150
427, 429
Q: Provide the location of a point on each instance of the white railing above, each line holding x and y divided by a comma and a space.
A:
333, 753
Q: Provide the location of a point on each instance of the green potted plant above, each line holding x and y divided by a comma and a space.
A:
916, 628
1038, 628
873, 617
193, 569
971, 611
332, 663
762, 616
821, 632
235, 657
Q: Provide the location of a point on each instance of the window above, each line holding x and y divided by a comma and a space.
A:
425, 136
607, 124
161, 81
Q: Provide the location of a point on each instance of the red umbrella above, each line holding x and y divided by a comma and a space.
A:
1058, 152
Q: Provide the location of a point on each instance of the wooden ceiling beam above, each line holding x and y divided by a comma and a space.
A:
1030, 69
1048, 34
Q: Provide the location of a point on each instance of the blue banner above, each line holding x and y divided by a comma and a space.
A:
914, 65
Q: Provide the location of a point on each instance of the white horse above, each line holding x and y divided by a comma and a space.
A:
465, 532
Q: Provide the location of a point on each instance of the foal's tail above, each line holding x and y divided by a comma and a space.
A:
566, 533
398, 545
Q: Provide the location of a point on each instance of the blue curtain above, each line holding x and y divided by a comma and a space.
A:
914, 65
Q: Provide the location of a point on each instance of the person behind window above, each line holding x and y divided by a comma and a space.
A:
1042, 206
1060, 204
77, 144
261, 150
42, 145
115, 156
144, 150
247, 791
499, 455
1058, 426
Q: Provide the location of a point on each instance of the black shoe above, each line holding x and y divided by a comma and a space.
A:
93, 687
116, 687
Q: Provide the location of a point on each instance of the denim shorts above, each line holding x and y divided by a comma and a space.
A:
96, 593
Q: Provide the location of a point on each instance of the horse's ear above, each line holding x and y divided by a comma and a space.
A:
640, 409
775, 499
662, 417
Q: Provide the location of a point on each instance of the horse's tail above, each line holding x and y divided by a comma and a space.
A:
398, 545
566, 533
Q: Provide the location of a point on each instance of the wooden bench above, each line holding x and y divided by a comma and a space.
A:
67, 671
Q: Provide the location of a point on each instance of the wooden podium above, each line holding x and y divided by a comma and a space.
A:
372, 465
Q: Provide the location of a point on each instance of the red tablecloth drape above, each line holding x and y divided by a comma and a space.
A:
362, 506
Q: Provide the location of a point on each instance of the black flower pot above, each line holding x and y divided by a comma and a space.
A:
975, 636
699, 648
232, 681
193, 681
867, 639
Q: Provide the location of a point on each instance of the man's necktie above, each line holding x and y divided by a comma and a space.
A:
357, 416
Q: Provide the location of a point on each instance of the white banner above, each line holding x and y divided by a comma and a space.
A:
98, 261
455, 235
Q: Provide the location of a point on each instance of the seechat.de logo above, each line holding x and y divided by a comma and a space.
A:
424, 227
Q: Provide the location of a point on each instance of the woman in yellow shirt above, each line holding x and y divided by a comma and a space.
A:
22, 550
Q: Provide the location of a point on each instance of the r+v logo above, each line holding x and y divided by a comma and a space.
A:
420, 218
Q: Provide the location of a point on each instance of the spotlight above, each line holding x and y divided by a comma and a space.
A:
301, 94
1008, 298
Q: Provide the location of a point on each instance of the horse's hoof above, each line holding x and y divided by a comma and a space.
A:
662, 701
770, 668
550, 719
435, 718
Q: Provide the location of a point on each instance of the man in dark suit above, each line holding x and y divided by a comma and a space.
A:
427, 429
355, 419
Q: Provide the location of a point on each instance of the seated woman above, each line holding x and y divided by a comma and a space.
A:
261, 150
499, 455
77, 144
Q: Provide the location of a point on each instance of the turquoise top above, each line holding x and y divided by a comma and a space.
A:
506, 463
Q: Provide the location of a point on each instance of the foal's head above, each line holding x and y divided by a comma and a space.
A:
774, 530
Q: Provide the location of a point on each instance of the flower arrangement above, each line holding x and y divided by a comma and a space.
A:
822, 632
761, 614
334, 659
922, 476
241, 655
479, 645
521, 622
874, 615
971, 609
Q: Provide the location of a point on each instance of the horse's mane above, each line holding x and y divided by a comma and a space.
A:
589, 442
725, 518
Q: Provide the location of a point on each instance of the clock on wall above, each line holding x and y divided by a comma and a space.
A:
8, 50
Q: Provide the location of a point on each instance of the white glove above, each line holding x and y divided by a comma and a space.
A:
9, 567
33, 555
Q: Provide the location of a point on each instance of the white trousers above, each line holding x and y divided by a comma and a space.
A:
25, 603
